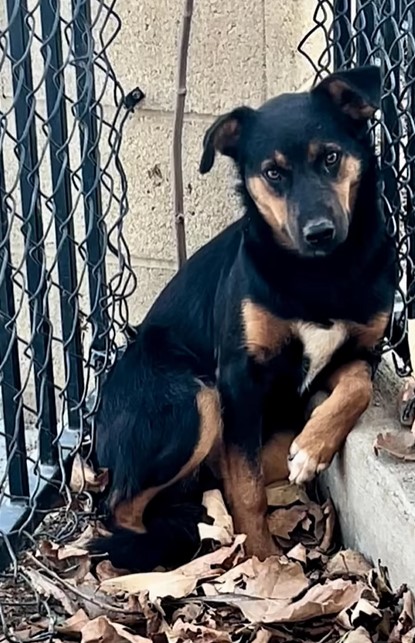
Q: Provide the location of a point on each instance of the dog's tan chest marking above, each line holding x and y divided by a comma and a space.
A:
264, 333
319, 345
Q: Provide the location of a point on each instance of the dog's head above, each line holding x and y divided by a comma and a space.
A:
302, 157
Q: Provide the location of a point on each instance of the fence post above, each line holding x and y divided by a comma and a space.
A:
32, 228
62, 208
12, 403
95, 243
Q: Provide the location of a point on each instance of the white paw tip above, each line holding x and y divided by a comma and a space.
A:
302, 466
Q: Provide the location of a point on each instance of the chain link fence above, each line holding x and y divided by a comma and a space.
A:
65, 273
381, 32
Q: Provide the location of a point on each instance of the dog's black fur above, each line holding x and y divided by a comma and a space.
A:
311, 247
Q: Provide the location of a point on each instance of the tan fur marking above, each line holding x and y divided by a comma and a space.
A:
274, 457
281, 160
347, 182
314, 149
358, 110
273, 208
331, 422
129, 513
264, 334
245, 493
369, 335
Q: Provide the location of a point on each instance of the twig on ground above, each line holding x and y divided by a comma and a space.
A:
76, 591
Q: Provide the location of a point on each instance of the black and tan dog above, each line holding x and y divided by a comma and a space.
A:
289, 301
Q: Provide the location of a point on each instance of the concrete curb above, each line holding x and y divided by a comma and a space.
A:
375, 496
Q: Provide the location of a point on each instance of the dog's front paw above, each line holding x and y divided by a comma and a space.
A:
303, 464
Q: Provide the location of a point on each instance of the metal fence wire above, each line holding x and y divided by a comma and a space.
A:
381, 32
65, 274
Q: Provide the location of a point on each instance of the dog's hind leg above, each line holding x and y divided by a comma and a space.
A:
164, 442
128, 514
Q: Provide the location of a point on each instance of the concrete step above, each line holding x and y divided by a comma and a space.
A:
375, 496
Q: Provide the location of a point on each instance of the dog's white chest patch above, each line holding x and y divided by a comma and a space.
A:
319, 345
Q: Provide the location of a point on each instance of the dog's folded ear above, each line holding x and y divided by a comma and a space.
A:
224, 137
356, 92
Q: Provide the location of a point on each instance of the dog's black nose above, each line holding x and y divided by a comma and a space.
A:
319, 233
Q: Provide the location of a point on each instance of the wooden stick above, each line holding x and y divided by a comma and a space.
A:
177, 162
108, 607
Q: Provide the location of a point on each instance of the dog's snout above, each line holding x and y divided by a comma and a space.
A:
319, 233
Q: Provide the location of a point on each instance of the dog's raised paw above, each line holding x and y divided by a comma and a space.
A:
303, 466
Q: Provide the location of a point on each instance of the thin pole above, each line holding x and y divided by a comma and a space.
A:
181, 90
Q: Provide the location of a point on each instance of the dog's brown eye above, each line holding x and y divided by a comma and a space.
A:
331, 158
273, 174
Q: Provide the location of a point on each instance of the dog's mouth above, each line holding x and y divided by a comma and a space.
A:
321, 250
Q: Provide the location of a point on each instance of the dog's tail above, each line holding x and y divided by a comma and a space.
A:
171, 539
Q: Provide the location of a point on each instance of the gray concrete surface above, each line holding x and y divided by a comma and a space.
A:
375, 496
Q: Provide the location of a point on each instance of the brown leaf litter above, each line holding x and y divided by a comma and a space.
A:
401, 445
311, 593
84, 478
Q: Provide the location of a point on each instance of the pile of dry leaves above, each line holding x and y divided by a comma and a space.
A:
308, 594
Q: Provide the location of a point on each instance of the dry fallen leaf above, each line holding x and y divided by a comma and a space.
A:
298, 553
330, 516
102, 630
71, 562
400, 445
47, 588
285, 494
27, 632
92, 531
105, 570
303, 596
276, 577
406, 406
222, 528
320, 600
173, 583
409, 637
282, 522
84, 478
316, 558
378, 580
75, 624
360, 635
178, 582
347, 562
262, 636
408, 610
406, 618
153, 615
196, 632
315, 523
364, 613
